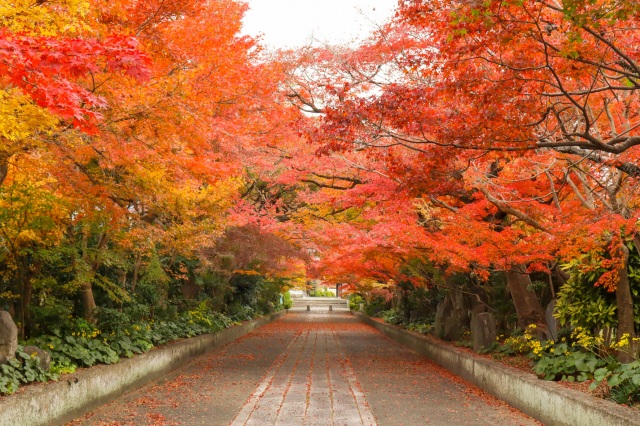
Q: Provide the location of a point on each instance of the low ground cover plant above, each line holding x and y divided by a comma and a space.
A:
84, 345
24, 368
578, 355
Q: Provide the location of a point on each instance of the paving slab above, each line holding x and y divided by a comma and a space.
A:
309, 368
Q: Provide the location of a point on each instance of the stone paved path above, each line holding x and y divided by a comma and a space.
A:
310, 380
309, 368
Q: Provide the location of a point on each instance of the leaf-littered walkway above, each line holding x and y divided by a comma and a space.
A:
309, 368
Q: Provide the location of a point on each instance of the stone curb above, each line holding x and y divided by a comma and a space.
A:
545, 401
76, 394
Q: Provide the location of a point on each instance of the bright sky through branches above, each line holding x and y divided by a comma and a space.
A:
292, 23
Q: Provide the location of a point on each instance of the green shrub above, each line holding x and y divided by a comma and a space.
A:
287, 302
322, 292
23, 369
51, 318
354, 302
623, 379
582, 303
239, 313
393, 316
109, 319
374, 307
564, 363
57, 368
87, 346
420, 327
130, 341
79, 350
526, 343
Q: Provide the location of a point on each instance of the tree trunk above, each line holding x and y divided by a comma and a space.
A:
625, 315
136, 272
25, 308
88, 303
189, 288
19, 315
93, 263
31, 273
560, 275
528, 308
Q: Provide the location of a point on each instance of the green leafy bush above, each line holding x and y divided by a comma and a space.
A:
23, 369
420, 327
375, 306
623, 379
79, 350
53, 317
109, 319
87, 345
239, 313
133, 340
287, 302
396, 317
581, 303
321, 292
57, 368
564, 363
526, 343
393, 316
354, 302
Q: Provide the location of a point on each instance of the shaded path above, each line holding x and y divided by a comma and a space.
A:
316, 368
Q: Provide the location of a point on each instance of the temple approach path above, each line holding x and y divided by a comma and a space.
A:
309, 368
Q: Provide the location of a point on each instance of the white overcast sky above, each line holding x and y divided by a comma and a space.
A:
292, 23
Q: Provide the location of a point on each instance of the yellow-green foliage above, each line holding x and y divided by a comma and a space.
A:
29, 213
528, 343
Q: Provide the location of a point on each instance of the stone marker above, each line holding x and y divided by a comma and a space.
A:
483, 331
8, 337
308, 308
452, 317
330, 308
552, 322
453, 329
43, 356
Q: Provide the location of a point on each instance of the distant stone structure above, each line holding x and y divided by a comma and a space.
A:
452, 316
8, 337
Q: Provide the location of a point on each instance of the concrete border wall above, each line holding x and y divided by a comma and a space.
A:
76, 394
545, 401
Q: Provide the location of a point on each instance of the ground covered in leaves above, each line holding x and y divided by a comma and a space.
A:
399, 386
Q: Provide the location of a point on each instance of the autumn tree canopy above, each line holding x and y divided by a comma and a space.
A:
150, 144
482, 136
